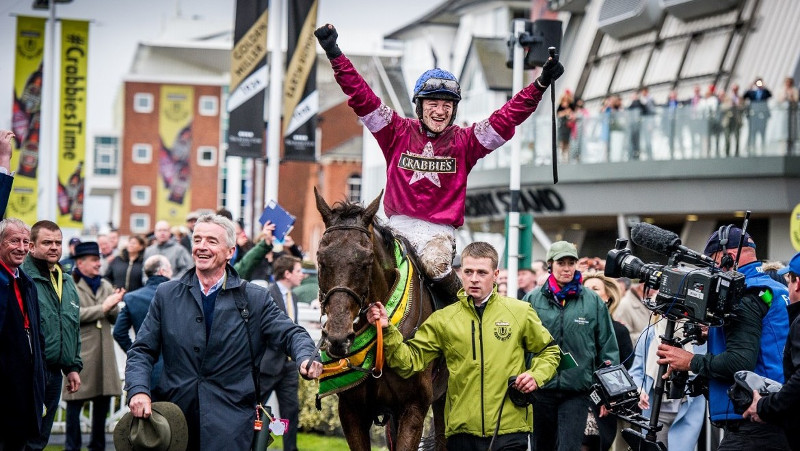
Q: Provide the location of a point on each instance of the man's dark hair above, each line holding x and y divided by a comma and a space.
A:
43, 224
284, 263
225, 212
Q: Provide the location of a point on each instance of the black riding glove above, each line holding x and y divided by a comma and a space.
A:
551, 70
326, 35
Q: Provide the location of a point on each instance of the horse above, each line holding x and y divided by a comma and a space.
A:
358, 265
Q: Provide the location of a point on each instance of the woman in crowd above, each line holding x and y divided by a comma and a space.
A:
581, 325
125, 271
566, 124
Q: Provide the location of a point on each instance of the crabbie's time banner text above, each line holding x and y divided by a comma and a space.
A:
72, 122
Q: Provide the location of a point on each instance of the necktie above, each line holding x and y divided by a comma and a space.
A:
289, 305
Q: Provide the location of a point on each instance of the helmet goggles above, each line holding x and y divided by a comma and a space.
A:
445, 86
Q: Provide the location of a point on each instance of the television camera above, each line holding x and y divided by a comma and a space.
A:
690, 286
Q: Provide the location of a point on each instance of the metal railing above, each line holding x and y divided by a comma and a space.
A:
667, 133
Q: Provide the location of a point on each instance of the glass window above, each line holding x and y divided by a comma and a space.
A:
206, 155
140, 195
105, 156
142, 153
140, 223
354, 188
143, 102
209, 106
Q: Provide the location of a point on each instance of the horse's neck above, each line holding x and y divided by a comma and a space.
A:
383, 267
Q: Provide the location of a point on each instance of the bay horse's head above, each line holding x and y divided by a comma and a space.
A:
345, 262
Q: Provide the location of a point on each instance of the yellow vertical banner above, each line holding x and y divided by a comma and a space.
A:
72, 122
175, 115
26, 117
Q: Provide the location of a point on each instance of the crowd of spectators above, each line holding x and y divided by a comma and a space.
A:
713, 122
109, 279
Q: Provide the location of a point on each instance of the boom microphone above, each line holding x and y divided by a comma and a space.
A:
663, 241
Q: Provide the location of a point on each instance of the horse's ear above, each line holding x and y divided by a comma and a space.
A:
323, 207
372, 209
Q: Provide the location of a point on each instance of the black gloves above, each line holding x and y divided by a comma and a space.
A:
551, 70
326, 35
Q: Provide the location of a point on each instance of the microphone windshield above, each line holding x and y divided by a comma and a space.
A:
654, 238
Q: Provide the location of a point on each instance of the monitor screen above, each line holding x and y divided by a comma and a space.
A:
616, 382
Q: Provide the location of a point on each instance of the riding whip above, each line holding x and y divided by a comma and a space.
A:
552, 51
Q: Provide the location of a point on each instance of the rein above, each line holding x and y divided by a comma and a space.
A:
345, 362
360, 301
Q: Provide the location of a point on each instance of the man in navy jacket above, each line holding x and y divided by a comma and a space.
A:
21, 341
158, 270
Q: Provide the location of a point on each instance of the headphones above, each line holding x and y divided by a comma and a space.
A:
723, 235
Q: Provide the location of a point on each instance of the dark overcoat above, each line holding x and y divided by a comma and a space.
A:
274, 360
210, 379
21, 364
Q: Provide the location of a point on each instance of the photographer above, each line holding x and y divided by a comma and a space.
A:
752, 338
581, 325
783, 407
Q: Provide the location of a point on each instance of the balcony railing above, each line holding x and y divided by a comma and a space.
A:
667, 134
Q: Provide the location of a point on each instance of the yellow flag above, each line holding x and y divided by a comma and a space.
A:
72, 122
26, 119
175, 155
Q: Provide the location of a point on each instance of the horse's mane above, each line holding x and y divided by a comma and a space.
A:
345, 212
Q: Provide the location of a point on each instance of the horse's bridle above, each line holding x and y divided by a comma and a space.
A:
360, 299
377, 371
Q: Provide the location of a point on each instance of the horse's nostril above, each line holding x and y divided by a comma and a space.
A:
351, 337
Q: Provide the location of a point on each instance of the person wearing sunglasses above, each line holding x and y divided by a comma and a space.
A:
429, 158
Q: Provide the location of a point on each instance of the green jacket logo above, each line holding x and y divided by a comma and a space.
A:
502, 330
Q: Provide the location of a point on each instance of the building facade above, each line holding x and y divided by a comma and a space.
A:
689, 169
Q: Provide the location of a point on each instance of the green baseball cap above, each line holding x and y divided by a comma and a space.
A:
561, 249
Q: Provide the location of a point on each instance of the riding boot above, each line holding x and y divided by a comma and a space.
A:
445, 290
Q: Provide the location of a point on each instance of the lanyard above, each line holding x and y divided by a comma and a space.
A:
25, 319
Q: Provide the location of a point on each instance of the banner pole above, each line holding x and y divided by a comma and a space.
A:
48, 148
274, 128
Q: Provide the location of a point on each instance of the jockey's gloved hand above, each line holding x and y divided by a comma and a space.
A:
551, 70
326, 35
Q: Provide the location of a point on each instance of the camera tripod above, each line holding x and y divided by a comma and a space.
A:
640, 441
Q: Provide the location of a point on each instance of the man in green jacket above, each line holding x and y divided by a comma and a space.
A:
581, 325
60, 319
484, 338
249, 261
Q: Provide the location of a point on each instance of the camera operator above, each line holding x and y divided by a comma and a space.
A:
580, 323
783, 407
752, 338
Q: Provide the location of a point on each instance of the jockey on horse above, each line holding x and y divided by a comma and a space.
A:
428, 159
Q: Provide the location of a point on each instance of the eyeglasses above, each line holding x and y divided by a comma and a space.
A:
434, 84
